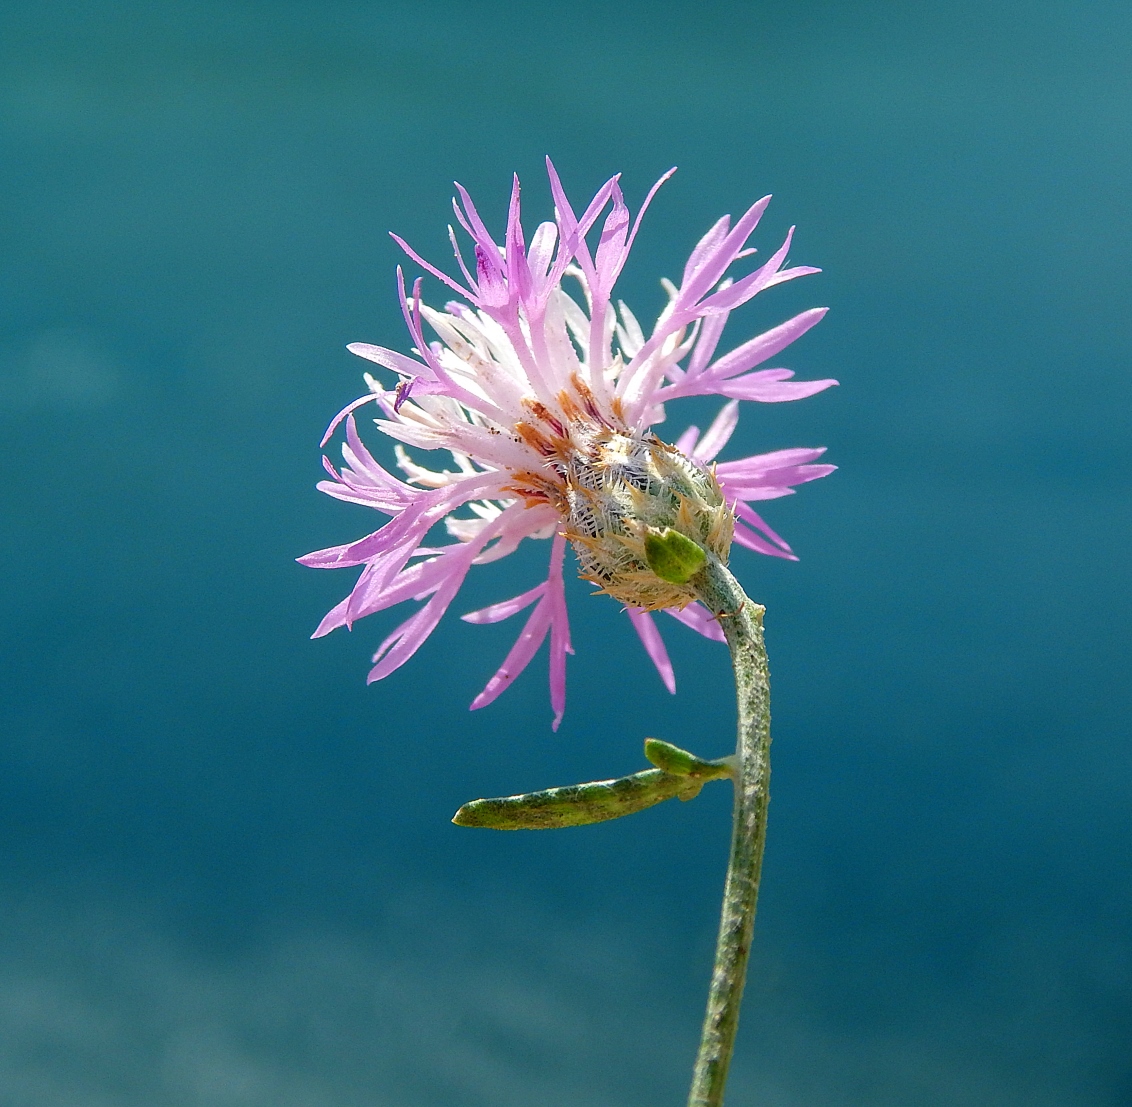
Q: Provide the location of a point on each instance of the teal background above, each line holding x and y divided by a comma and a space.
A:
227, 875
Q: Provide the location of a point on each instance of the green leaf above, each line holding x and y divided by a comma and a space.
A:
673, 556
678, 775
672, 759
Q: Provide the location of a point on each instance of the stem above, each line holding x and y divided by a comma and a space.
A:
742, 623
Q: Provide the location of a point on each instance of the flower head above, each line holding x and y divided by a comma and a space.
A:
545, 398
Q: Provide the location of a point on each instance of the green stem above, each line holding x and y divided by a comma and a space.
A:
742, 623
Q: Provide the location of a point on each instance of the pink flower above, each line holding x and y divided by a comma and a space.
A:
544, 401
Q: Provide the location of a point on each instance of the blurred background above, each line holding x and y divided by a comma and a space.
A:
227, 872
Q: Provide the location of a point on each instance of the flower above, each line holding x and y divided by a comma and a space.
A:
545, 401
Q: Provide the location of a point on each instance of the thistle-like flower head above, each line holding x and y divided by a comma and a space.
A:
545, 401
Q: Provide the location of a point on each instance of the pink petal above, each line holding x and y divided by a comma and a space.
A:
765, 345
767, 386
709, 337
702, 621
518, 275
748, 515
650, 637
496, 612
773, 485
333, 619
439, 274
541, 252
475, 225
411, 635
363, 463
407, 639
611, 249
705, 248
645, 207
518, 657
714, 264
686, 443
559, 631
390, 359
718, 433
746, 288
752, 541
347, 410
759, 465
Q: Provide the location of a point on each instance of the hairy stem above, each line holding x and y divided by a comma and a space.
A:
742, 623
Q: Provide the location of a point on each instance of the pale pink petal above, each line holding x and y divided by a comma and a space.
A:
440, 274
496, 612
407, 638
686, 443
611, 248
333, 619
347, 410
518, 274
702, 621
645, 206
541, 254
748, 515
518, 657
746, 288
411, 635
708, 339
346, 494
390, 359
549, 615
362, 462
773, 485
718, 434
646, 628
767, 386
473, 224
714, 262
559, 630
748, 538
705, 248
765, 345
760, 464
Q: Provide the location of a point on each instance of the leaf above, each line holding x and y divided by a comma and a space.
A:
681, 777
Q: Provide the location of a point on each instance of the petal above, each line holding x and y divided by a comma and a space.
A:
348, 409
718, 433
390, 359
708, 339
611, 249
765, 345
559, 631
411, 634
767, 386
646, 628
702, 621
541, 253
686, 443
745, 288
748, 515
518, 657
748, 538
705, 248
439, 274
518, 274
759, 465
496, 612
333, 619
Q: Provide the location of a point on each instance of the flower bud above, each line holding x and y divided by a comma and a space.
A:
642, 517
